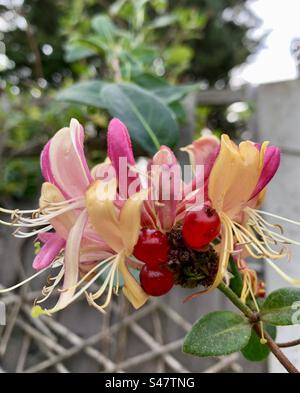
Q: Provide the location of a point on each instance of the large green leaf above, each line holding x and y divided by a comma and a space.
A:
150, 122
282, 307
254, 350
218, 333
175, 93
149, 81
84, 93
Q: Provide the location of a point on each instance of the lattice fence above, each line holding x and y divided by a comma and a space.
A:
80, 339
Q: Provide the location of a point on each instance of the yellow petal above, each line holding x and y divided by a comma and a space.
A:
234, 176
131, 289
64, 222
103, 216
130, 219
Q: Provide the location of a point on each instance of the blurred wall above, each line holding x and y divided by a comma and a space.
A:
278, 115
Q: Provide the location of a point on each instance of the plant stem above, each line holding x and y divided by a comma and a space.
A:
289, 343
253, 317
236, 300
276, 350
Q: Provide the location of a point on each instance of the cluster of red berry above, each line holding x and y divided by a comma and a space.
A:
199, 228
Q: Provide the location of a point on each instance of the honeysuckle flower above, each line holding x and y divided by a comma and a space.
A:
237, 180
72, 244
120, 230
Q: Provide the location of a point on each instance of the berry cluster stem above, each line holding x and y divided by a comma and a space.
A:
252, 316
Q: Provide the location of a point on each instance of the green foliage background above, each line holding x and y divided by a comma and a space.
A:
50, 45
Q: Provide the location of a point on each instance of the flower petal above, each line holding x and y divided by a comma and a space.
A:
131, 289
64, 222
49, 251
121, 155
234, 176
71, 262
271, 162
130, 221
68, 168
45, 163
203, 151
103, 216
166, 186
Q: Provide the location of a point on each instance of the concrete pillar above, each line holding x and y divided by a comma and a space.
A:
278, 111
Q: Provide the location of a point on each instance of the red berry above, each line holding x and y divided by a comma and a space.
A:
156, 282
200, 227
152, 247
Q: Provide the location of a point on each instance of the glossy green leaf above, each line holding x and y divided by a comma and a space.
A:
254, 350
150, 122
175, 93
149, 81
282, 307
218, 333
84, 93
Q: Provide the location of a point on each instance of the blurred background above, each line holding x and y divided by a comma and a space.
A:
189, 68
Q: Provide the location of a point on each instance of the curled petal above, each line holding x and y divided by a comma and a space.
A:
234, 176
203, 151
67, 167
271, 162
45, 164
131, 289
121, 155
49, 251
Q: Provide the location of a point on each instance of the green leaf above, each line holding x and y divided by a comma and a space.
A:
76, 51
218, 333
103, 25
254, 350
282, 307
84, 93
179, 111
236, 282
175, 93
149, 81
150, 122
162, 21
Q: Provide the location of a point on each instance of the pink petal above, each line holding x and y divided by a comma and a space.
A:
166, 182
270, 166
120, 151
71, 262
204, 151
45, 163
64, 163
49, 251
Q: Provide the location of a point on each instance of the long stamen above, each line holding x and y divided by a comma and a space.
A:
47, 291
285, 276
109, 281
88, 274
276, 216
25, 281
37, 310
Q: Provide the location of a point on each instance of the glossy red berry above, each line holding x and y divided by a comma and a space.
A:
156, 282
152, 247
200, 227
